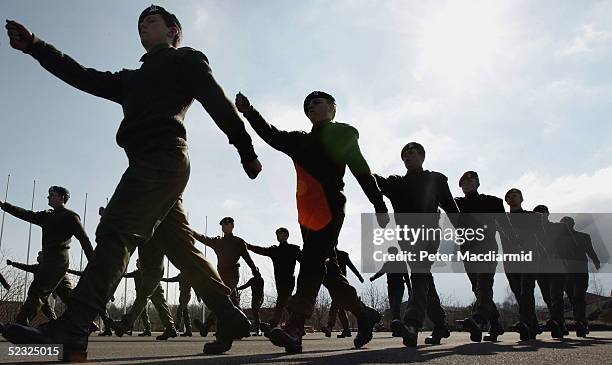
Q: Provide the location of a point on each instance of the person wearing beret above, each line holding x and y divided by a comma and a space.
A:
477, 211
419, 191
145, 211
320, 158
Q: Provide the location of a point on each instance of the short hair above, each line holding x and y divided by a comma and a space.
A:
541, 209
413, 145
282, 230
61, 191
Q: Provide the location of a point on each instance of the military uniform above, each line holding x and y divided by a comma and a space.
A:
482, 274
256, 283
182, 312
139, 307
397, 279
580, 249
341, 260
320, 158
522, 277
420, 191
58, 226
284, 257
145, 210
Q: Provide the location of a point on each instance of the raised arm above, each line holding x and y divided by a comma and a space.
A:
208, 241
23, 214
103, 84
278, 139
245, 285
24, 267
206, 90
174, 279
249, 260
75, 272
264, 251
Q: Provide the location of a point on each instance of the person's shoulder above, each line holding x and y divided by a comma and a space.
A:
189, 53
345, 129
437, 175
492, 198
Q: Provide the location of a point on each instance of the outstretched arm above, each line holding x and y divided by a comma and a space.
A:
174, 279
351, 266
103, 84
264, 251
24, 267
280, 140
23, 214
245, 285
208, 241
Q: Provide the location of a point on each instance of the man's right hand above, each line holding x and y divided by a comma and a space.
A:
252, 168
9, 262
19, 36
242, 103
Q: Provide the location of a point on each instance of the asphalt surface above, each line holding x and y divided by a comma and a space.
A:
383, 349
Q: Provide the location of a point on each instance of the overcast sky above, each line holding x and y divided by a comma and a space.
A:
519, 91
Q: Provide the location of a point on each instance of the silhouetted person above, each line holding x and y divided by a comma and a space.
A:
284, 257
525, 226
342, 261
419, 191
58, 225
146, 210
320, 158
397, 278
256, 283
578, 274
477, 212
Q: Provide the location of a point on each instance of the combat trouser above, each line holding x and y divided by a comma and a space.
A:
576, 287
182, 312
482, 277
318, 248
144, 319
230, 277
395, 290
146, 211
284, 289
336, 311
522, 286
424, 299
49, 277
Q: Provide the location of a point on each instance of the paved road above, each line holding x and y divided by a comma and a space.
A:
596, 350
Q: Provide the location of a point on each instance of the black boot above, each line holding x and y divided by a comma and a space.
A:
582, 330
106, 332
201, 326
290, 335
169, 332
345, 333
122, 327
556, 329
495, 330
266, 328
187, 333
409, 334
146, 332
396, 328
72, 334
474, 328
523, 329
326, 330
93, 328
367, 318
438, 333
232, 325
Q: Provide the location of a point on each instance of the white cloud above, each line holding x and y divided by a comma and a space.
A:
588, 39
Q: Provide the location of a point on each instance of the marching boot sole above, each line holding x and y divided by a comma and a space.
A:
280, 338
475, 331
